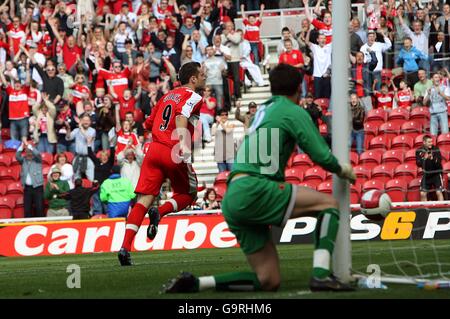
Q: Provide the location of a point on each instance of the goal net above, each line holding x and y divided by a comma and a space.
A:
410, 246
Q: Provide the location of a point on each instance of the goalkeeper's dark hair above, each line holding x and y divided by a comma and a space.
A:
285, 80
187, 71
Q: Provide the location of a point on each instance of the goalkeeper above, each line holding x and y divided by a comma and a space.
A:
258, 197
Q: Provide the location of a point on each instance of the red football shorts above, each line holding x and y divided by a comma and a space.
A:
157, 166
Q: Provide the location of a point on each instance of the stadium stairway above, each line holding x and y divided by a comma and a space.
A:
204, 164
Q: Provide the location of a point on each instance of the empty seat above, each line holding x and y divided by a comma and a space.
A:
413, 192
396, 189
302, 160
446, 167
392, 156
19, 211
370, 131
3, 188
411, 128
5, 160
11, 173
443, 141
315, 176
220, 190
222, 177
377, 116
420, 114
372, 184
323, 129
354, 158
379, 142
293, 175
383, 172
47, 159
370, 158
325, 187
398, 115
389, 129
362, 173
6, 206
355, 193
405, 172
309, 185
445, 153
404, 142
410, 157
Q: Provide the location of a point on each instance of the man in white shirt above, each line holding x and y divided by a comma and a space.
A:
129, 18
378, 48
246, 63
215, 65
40, 59
322, 66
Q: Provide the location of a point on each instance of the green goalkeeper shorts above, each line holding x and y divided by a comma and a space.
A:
252, 204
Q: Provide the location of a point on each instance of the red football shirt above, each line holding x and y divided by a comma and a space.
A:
119, 81
78, 92
179, 101
324, 29
126, 106
204, 109
17, 35
292, 58
384, 100
123, 139
251, 30
18, 103
404, 99
70, 55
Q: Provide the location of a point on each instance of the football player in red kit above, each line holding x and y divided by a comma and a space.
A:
171, 123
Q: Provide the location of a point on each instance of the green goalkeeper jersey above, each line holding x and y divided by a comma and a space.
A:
277, 127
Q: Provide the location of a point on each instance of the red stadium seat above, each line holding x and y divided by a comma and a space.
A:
362, 173
324, 103
3, 188
372, 184
379, 142
309, 185
370, 158
293, 175
293, 12
220, 190
354, 158
370, 131
405, 172
420, 114
315, 175
47, 159
19, 211
323, 129
6, 206
270, 14
5, 160
222, 177
418, 141
396, 189
86, 183
355, 194
445, 153
446, 167
413, 192
69, 156
5, 134
443, 140
410, 157
303, 161
377, 116
11, 173
389, 129
383, 172
398, 116
411, 128
392, 156
325, 187
400, 142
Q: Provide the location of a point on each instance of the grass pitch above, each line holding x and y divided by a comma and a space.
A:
102, 277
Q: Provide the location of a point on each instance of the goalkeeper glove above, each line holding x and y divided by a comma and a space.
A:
347, 173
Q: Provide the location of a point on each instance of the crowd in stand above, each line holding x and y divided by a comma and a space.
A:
80, 77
